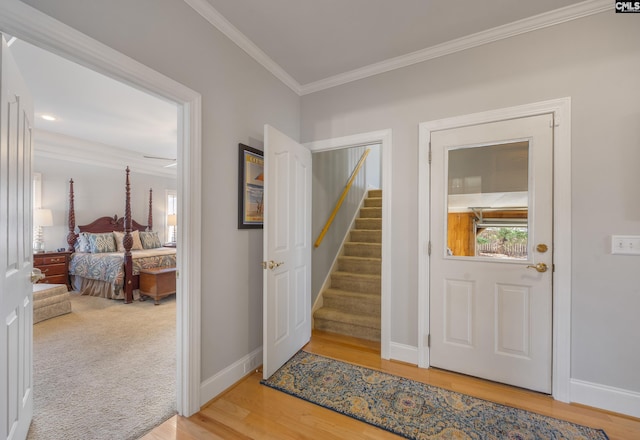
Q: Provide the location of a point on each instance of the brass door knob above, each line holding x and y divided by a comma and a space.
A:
36, 275
271, 264
540, 267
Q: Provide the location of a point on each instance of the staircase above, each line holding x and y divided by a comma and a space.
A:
351, 306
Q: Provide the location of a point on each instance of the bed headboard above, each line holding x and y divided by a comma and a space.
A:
106, 224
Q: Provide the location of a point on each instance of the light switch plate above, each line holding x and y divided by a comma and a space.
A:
625, 244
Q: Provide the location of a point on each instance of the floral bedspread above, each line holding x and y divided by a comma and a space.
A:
109, 267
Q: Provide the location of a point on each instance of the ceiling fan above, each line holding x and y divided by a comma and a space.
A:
173, 164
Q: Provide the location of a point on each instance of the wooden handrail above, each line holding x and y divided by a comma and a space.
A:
345, 191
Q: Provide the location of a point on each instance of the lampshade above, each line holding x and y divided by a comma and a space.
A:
42, 217
172, 220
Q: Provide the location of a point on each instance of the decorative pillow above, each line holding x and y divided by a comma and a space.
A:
99, 243
82, 243
137, 244
119, 238
150, 240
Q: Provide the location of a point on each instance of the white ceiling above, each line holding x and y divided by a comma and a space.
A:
308, 44
91, 107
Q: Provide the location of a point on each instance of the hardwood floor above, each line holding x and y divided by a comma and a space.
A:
249, 410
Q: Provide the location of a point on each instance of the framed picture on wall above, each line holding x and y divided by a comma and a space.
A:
250, 187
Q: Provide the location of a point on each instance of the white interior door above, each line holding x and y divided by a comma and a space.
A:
287, 249
491, 262
16, 308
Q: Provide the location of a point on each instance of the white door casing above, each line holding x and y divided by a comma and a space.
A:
491, 317
561, 109
16, 293
287, 249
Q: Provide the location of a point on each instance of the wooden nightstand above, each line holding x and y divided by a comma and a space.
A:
54, 266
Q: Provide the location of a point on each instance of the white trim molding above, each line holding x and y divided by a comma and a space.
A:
540, 21
561, 109
605, 397
231, 375
384, 138
29, 24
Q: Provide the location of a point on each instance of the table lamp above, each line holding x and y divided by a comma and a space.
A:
41, 217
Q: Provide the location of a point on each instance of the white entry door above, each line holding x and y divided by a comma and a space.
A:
287, 249
491, 262
16, 308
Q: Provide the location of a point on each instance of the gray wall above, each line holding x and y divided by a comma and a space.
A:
238, 98
595, 61
331, 172
98, 191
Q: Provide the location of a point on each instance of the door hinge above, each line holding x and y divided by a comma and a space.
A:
428, 340
429, 153
429, 249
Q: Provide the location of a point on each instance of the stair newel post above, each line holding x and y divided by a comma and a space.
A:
128, 244
71, 236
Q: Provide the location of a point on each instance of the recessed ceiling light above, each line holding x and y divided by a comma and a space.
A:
48, 117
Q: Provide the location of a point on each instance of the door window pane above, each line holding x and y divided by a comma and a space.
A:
488, 201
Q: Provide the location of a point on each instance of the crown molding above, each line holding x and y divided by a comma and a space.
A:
52, 145
210, 14
547, 19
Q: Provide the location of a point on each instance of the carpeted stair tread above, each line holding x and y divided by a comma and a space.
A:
356, 249
373, 193
375, 212
373, 202
365, 236
356, 282
369, 223
337, 321
353, 302
367, 265
351, 318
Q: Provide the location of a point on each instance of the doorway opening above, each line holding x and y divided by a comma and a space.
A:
384, 139
29, 24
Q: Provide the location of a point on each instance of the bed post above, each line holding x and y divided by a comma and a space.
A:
128, 244
150, 220
71, 236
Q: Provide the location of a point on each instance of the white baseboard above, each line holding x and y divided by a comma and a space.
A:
216, 384
403, 353
605, 397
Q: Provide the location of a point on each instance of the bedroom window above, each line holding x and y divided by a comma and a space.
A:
171, 216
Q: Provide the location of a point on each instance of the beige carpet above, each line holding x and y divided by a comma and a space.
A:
104, 371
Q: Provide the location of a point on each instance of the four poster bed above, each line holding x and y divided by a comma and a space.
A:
109, 252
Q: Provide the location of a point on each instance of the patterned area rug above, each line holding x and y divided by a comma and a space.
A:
413, 409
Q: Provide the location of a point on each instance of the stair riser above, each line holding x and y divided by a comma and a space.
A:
373, 203
369, 223
366, 236
357, 306
359, 266
343, 282
344, 328
377, 193
356, 250
370, 212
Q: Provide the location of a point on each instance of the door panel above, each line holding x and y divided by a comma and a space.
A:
16, 308
491, 204
287, 249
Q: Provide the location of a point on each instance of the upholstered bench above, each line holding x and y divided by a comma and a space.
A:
49, 301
